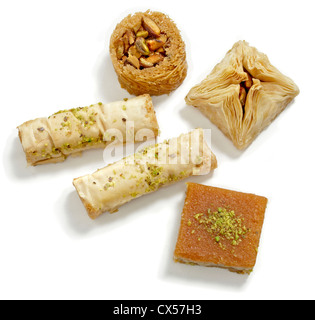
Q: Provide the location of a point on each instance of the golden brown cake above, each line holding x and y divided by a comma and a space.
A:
148, 54
243, 94
220, 228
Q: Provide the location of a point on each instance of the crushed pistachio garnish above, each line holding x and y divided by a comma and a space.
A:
139, 182
85, 115
66, 124
66, 146
86, 139
155, 170
223, 224
134, 194
55, 151
109, 185
153, 178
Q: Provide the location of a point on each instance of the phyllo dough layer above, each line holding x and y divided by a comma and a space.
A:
144, 172
68, 132
243, 94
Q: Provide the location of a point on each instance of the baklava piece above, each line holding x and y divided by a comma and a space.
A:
69, 132
156, 166
243, 94
148, 54
220, 228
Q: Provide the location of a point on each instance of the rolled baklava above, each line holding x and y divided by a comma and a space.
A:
69, 132
148, 54
144, 172
243, 94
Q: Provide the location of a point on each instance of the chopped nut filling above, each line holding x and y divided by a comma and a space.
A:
142, 47
244, 88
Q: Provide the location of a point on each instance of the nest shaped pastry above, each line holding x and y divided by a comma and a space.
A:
148, 54
243, 94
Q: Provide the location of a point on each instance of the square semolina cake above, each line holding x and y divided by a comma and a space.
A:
220, 228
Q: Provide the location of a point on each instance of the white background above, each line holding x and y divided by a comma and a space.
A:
54, 55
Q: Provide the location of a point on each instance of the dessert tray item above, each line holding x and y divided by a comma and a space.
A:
144, 172
68, 132
220, 228
148, 54
243, 94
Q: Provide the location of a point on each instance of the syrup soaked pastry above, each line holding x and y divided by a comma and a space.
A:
144, 172
69, 132
220, 228
148, 54
243, 94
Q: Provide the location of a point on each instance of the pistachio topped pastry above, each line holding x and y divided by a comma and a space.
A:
69, 132
148, 54
243, 94
143, 46
156, 166
220, 228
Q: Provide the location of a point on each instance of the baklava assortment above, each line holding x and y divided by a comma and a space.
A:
242, 95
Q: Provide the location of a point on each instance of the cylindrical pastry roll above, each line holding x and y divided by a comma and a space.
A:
144, 172
148, 54
51, 140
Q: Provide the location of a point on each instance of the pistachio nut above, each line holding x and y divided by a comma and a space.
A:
142, 47
151, 27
